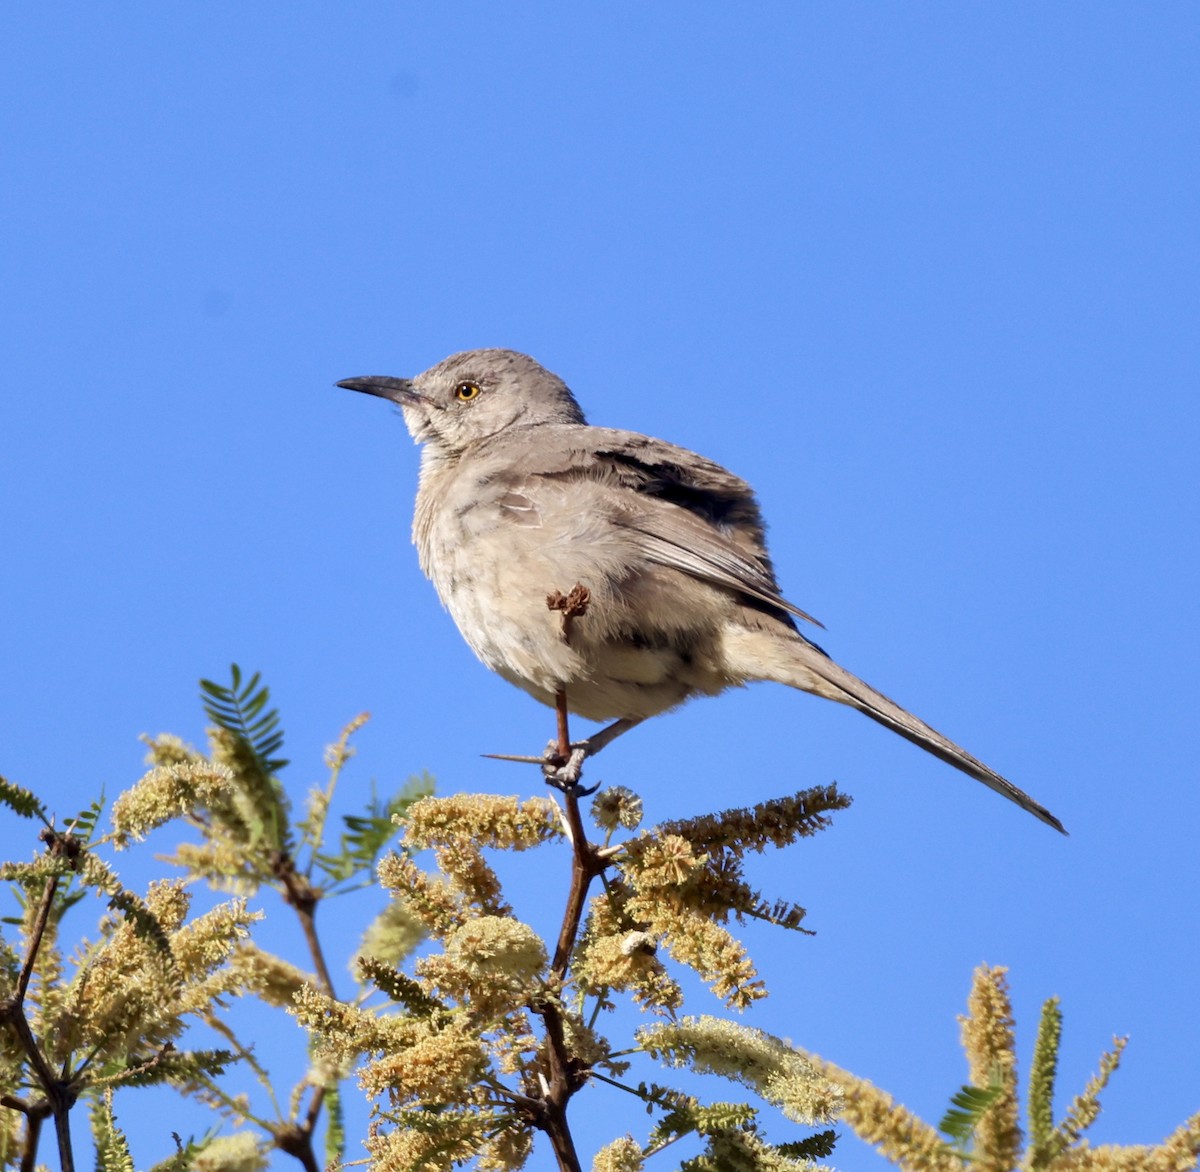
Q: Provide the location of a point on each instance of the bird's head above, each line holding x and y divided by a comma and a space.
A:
474, 395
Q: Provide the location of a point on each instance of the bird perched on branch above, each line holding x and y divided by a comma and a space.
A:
519, 495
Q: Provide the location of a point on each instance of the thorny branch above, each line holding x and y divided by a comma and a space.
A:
567, 1073
60, 1094
296, 1139
586, 865
300, 894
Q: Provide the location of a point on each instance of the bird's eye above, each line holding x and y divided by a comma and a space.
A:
465, 392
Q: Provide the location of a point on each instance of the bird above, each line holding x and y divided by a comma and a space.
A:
519, 496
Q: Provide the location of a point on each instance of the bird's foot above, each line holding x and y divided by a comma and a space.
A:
566, 774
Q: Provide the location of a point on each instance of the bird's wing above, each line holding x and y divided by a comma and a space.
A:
683, 511
681, 541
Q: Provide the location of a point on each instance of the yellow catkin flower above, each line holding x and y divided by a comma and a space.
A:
166, 792
683, 897
584, 1043
391, 936
266, 975
615, 807
210, 939
778, 822
666, 860
499, 948
508, 1151
505, 823
223, 864
447, 1141
337, 754
127, 990
342, 1032
462, 862
622, 1155
169, 902
780, 1073
1181, 1146
429, 898
514, 1044
693, 940
627, 963
168, 749
877, 1119
1084, 1109
436, 1066
989, 1041
1179, 1152
449, 982
492, 964
240, 1152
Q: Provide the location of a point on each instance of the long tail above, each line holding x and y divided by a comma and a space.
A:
801, 664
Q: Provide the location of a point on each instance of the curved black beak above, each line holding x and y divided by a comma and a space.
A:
397, 390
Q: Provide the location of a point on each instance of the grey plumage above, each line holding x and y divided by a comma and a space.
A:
519, 497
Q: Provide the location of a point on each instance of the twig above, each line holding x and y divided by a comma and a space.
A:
60, 1092
303, 896
586, 865
35, 1114
54, 845
296, 1139
567, 1073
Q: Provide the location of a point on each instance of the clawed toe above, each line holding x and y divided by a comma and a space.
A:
564, 775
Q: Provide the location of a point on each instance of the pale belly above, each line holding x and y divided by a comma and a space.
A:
615, 665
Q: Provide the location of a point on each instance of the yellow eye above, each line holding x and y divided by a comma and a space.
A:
465, 392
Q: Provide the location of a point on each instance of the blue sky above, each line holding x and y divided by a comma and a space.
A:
926, 275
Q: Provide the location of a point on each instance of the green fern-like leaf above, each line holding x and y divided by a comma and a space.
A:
112, 1148
242, 710
742, 1149
248, 741
367, 834
83, 825
1042, 1075
21, 801
679, 1118
717, 1117
816, 1147
967, 1108
397, 986
181, 1068
335, 1127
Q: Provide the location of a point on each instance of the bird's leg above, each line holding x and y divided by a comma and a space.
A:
564, 733
609, 733
563, 766
588, 747
562, 762
559, 766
